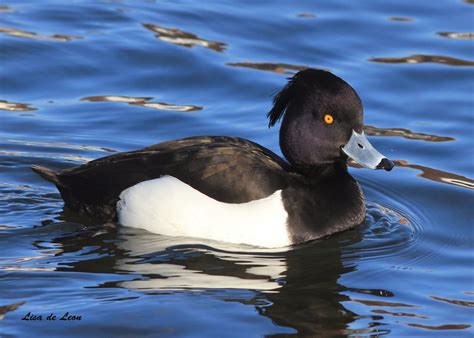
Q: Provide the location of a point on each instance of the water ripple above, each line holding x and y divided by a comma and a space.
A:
432, 174
454, 301
31, 154
382, 303
182, 38
442, 327
401, 19
306, 15
60, 145
405, 133
454, 35
279, 68
438, 175
386, 232
143, 102
8, 308
15, 106
419, 58
31, 35
400, 314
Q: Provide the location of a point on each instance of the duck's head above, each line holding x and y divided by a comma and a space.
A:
322, 122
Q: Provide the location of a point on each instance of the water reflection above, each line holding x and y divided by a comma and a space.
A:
142, 101
5, 8
405, 133
311, 299
453, 35
440, 327
418, 58
31, 154
116, 98
182, 38
438, 175
401, 19
295, 287
382, 303
279, 68
15, 106
306, 15
31, 35
454, 301
399, 314
8, 308
431, 174
60, 145
290, 289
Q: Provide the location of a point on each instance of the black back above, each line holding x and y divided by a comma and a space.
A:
227, 169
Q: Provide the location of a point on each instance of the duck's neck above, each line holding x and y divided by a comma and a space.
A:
322, 199
322, 171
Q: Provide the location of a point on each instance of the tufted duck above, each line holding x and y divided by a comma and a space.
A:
232, 189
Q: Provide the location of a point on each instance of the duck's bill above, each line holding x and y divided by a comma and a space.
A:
360, 150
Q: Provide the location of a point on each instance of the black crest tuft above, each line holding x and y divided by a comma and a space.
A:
280, 102
305, 82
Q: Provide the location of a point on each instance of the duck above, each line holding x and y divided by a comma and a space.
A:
231, 189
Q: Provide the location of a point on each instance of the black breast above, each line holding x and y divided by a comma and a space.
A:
322, 203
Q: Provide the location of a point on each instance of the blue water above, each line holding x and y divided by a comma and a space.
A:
80, 80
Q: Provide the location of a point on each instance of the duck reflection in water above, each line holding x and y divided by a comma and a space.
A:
295, 288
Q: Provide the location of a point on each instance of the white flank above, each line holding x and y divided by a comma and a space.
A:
171, 207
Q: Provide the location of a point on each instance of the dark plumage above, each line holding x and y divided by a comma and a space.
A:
204, 162
318, 193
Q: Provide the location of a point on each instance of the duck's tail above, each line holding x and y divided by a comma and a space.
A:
48, 174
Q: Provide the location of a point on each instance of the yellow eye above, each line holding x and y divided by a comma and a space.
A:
328, 119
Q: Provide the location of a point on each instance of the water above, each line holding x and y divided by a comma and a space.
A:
82, 79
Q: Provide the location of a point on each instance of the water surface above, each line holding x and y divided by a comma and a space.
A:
85, 79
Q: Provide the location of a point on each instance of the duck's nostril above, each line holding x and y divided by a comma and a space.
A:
360, 145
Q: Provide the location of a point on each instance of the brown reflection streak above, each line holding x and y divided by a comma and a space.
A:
430, 173
31, 35
438, 175
382, 303
425, 58
454, 301
405, 133
142, 101
454, 35
400, 314
306, 15
7, 227
373, 292
60, 145
401, 19
181, 38
15, 106
441, 327
8, 308
116, 98
75, 158
5, 8
279, 68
